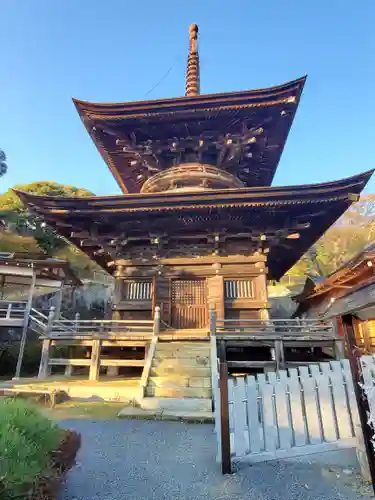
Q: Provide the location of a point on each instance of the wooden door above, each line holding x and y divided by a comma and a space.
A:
189, 304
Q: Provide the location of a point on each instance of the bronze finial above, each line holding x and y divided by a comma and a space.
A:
192, 73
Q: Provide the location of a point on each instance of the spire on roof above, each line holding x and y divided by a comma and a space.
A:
192, 73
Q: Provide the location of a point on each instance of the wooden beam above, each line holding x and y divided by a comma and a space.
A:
230, 259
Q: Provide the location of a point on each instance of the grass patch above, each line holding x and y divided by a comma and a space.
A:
27, 439
98, 410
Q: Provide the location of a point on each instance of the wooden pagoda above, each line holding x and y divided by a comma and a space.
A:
198, 221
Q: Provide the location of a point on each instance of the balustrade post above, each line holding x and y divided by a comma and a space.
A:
51, 319
156, 328
77, 318
9, 311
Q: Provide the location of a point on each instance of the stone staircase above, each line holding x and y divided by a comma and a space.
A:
181, 370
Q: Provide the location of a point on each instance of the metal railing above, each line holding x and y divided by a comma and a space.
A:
12, 310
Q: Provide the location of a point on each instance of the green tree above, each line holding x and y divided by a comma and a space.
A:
3, 163
18, 220
352, 232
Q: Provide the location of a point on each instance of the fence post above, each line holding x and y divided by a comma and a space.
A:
362, 402
156, 327
226, 466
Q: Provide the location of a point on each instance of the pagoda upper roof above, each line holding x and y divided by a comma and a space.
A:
242, 132
271, 214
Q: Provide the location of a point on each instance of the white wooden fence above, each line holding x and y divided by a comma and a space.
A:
368, 373
303, 410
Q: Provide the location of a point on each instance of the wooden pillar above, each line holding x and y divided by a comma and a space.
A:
95, 359
2, 285
59, 297
215, 285
339, 344
279, 355
112, 371
69, 368
44, 369
362, 402
339, 349
25, 326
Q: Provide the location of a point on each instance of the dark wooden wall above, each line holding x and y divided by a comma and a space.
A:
217, 273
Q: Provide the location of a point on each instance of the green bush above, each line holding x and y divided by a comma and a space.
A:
27, 439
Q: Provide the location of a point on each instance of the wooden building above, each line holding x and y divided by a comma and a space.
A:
350, 290
21, 276
198, 222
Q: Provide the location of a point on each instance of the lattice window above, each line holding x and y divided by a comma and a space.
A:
137, 290
238, 289
188, 292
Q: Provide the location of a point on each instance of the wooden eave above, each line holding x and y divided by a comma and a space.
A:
167, 201
317, 207
136, 109
107, 122
351, 276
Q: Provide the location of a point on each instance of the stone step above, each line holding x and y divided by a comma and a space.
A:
179, 369
190, 357
175, 381
178, 392
193, 345
176, 404
177, 346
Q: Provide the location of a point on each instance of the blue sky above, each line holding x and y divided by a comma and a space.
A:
118, 50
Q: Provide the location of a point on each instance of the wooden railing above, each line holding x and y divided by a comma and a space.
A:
12, 313
97, 332
50, 327
272, 328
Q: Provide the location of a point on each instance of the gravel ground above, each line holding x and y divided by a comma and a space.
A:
136, 459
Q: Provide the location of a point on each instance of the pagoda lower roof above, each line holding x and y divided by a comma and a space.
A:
271, 212
243, 133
